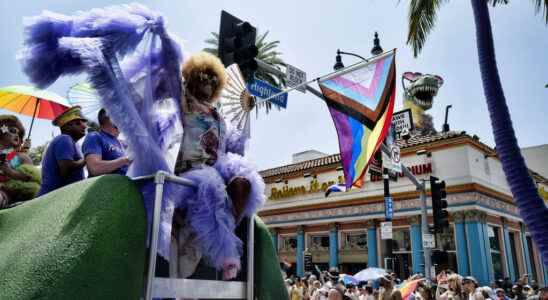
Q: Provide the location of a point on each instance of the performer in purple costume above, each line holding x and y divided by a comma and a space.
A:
134, 64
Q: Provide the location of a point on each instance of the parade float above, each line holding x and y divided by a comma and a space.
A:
89, 240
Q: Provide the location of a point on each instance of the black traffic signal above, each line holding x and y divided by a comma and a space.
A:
439, 204
237, 44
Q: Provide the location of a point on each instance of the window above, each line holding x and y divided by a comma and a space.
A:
401, 242
513, 253
532, 258
288, 243
318, 242
356, 240
496, 254
444, 257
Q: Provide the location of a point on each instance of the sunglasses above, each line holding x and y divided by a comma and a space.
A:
207, 78
13, 130
10, 130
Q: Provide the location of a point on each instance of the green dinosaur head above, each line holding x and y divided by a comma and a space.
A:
422, 88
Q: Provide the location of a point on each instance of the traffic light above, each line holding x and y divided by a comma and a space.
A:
237, 44
439, 204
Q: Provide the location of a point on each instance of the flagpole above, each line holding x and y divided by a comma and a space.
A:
332, 74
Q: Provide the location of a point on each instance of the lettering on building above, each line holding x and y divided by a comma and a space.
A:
315, 186
415, 170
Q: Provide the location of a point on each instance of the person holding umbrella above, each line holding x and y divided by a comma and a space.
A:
19, 179
63, 163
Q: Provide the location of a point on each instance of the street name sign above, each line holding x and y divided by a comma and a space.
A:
264, 90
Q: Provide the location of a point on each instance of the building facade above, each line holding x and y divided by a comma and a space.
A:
486, 237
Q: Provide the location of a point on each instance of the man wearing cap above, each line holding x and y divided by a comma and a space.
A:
103, 151
63, 163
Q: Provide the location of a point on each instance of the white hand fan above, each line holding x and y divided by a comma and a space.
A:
84, 95
236, 102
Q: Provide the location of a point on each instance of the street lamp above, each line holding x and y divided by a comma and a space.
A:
338, 61
376, 50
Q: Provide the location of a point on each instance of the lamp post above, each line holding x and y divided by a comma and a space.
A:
376, 50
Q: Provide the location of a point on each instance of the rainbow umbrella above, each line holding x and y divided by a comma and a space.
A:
32, 102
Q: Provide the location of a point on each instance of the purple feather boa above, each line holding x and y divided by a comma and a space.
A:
134, 65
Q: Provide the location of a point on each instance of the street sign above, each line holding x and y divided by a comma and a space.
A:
295, 76
403, 122
264, 90
428, 240
308, 262
386, 230
375, 166
388, 208
392, 162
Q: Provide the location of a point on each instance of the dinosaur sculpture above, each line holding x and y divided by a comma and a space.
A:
419, 94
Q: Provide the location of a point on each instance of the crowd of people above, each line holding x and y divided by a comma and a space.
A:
447, 286
63, 162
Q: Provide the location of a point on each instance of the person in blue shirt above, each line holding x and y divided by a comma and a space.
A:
63, 163
103, 151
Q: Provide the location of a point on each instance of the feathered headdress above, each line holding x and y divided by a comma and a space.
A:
135, 66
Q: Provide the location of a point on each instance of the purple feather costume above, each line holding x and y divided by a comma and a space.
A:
134, 64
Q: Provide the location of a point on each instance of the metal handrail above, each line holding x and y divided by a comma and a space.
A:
171, 287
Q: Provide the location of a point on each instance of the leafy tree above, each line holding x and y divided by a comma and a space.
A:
37, 153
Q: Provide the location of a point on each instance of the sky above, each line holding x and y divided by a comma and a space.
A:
310, 32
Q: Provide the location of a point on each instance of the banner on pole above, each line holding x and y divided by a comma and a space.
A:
388, 208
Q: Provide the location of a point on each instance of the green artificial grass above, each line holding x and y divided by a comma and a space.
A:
84, 241
269, 284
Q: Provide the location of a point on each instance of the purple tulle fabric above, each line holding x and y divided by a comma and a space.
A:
134, 64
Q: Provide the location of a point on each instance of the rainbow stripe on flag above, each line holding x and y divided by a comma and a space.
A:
360, 99
407, 288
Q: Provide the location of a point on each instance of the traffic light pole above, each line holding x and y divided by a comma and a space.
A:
424, 229
421, 186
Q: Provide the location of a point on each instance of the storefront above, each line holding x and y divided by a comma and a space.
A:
486, 237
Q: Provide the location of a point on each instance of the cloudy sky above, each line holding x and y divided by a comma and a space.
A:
310, 32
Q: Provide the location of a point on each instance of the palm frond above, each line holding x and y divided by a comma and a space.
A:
261, 39
497, 2
422, 18
213, 51
538, 4
270, 46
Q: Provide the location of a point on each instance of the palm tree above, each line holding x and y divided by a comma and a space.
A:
37, 153
533, 210
267, 54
